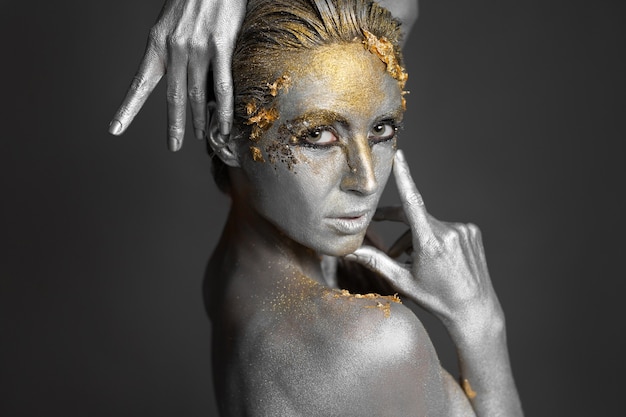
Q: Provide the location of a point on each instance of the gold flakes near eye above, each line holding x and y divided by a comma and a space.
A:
257, 155
471, 394
282, 82
281, 152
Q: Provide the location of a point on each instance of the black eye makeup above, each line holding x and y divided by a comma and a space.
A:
320, 130
384, 130
319, 137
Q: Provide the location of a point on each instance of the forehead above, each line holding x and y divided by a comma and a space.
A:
344, 78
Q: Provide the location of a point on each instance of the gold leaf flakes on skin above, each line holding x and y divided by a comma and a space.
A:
384, 307
384, 49
264, 117
281, 82
403, 99
262, 120
257, 156
250, 108
471, 394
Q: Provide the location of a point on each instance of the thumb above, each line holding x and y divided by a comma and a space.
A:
378, 261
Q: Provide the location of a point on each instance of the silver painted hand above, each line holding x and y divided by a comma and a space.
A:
447, 274
189, 37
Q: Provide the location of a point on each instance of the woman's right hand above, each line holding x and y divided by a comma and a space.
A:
189, 37
447, 273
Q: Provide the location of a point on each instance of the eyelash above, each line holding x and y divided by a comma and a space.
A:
302, 139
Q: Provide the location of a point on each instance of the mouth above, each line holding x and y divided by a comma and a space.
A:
350, 224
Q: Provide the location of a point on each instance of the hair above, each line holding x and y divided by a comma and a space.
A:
274, 28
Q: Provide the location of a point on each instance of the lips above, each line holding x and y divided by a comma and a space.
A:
350, 223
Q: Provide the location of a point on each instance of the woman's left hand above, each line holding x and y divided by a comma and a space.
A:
447, 273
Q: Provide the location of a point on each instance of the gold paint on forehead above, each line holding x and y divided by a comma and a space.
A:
352, 76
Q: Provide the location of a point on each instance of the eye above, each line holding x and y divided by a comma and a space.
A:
320, 137
382, 131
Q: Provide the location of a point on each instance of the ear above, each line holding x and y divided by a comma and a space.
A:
224, 147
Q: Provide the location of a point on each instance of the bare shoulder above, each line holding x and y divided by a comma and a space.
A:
369, 352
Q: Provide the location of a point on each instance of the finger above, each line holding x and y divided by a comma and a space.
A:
197, 88
476, 239
475, 233
400, 246
150, 71
223, 86
412, 202
176, 92
397, 275
390, 213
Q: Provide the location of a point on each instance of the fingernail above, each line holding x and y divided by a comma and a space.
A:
174, 144
199, 133
351, 257
115, 127
225, 128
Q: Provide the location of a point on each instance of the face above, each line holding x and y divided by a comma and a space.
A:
319, 171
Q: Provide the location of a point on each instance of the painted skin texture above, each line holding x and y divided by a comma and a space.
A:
266, 288
284, 342
327, 196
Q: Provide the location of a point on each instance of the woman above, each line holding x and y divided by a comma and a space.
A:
318, 102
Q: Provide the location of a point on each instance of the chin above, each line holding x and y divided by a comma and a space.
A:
340, 246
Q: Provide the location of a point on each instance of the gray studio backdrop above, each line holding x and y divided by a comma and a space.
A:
513, 124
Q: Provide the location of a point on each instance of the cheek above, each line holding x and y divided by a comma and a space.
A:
382, 155
279, 152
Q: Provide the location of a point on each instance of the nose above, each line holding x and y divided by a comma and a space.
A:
360, 177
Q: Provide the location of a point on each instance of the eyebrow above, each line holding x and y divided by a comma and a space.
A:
316, 118
396, 114
328, 117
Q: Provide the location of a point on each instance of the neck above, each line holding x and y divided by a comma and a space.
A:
257, 243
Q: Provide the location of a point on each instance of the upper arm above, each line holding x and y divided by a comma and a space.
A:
405, 11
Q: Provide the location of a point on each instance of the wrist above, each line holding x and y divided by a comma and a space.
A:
478, 328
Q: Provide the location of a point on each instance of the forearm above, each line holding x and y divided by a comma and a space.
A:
486, 375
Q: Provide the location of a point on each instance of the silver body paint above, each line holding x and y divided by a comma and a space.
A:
284, 341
